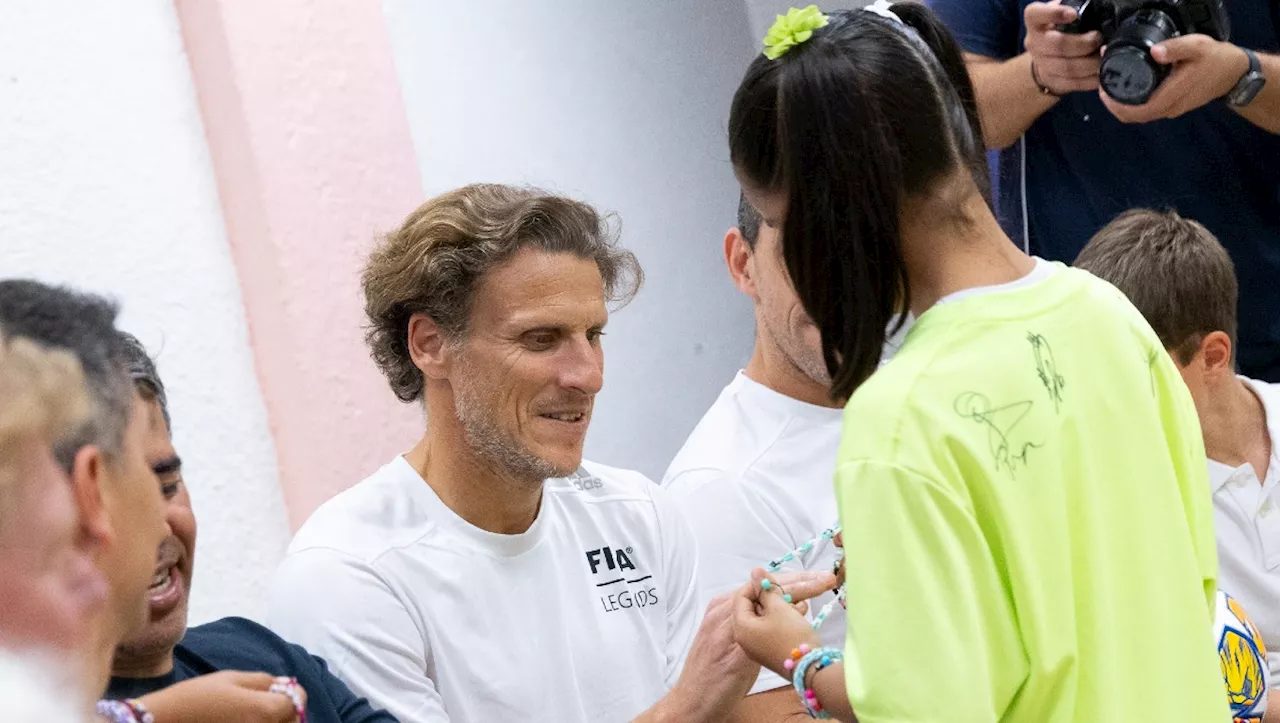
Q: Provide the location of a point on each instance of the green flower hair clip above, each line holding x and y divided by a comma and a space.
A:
792, 29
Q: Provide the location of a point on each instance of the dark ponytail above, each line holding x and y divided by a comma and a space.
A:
946, 50
848, 124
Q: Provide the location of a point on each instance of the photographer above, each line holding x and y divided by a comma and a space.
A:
1072, 157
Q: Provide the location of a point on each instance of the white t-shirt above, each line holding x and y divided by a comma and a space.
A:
1039, 272
756, 481
585, 617
1246, 519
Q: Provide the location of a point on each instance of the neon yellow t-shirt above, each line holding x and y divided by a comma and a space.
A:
1027, 519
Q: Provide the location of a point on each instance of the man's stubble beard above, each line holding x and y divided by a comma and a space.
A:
794, 351
487, 440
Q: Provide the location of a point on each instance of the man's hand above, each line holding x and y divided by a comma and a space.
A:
717, 674
803, 586
1204, 70
223, 697
1062, 62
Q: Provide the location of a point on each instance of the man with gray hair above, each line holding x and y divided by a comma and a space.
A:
50, 590
119, 513
233, 664
490, 574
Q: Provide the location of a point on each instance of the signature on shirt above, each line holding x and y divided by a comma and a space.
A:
1000, 423
1047, 368
1151, 355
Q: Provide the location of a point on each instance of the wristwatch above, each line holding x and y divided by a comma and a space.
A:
1252, 81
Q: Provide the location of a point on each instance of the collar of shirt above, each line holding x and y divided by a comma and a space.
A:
1219, 473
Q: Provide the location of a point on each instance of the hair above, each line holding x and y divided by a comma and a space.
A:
748, 222
44, 403
142, 370
1173, 270
848, 124
83, 325
433, 263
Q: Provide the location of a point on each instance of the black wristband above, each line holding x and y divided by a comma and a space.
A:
1035, 78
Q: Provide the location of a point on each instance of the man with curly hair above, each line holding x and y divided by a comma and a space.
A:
490, 574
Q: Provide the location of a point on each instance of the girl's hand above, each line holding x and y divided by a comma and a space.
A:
839, 542
766, 626
230, 696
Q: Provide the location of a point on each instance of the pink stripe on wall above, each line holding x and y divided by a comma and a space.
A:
313, 157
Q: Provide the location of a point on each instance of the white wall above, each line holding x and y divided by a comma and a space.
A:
106, 184
624, 105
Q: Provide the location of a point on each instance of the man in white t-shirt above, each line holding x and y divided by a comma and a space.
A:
755, 478
489, 574
1183, 281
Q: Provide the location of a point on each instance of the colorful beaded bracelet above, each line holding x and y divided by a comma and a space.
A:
817, 659
827, 534
124, 711
776, 565
767, 585
290, 688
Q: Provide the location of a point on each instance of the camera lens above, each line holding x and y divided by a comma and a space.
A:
1129, 74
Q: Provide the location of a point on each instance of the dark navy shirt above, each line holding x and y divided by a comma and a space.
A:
239, 644
1084, 167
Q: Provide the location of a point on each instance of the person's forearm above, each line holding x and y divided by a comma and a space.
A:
1008, 99
1264, 111
780, 705
783, 705
1273, 707
828, 685
675, 707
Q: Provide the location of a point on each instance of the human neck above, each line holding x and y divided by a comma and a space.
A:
947, 251
1234, 424
149, 665
98, 652
770, 368
473, 487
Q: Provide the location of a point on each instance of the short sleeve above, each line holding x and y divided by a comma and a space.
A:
984, 27
339, 609
351, 708
1192, 468
735, 535
685, 604
931, 633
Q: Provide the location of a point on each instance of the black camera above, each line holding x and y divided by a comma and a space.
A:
1130, 28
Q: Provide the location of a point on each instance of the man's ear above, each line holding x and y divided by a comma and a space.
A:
1215, 352
427, 346
88, 477
737, 256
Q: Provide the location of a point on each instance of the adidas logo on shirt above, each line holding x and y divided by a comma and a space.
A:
584, 481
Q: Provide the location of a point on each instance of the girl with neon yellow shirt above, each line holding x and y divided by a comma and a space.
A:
1022, 488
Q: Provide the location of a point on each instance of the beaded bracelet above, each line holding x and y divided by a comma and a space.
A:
290, 688
124, 711
817, 659
797, 654
821, 617
827, 534
776, 565
767, 585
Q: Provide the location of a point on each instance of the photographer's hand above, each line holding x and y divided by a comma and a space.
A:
1013, 93
1061, 62
1204, 70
